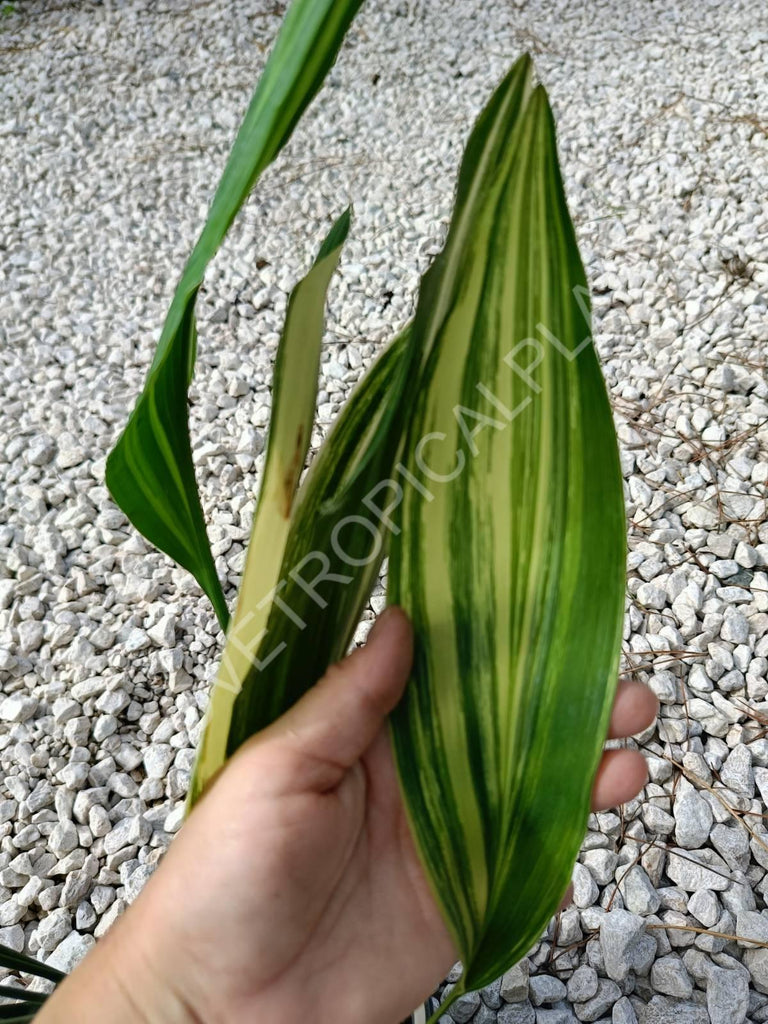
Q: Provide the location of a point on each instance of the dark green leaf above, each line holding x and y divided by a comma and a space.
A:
150, 471
20, 962
9, 992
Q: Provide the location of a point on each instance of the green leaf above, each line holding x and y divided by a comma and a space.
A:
150, 472
513, 570
9, 992
325, 575
14, 961
294, 396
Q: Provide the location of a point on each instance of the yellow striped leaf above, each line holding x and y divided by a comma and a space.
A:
485, 430
294, 394
512, 570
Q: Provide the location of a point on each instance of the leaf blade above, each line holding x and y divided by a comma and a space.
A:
492, 570
350, 564
294, 396
14, 961
150, 471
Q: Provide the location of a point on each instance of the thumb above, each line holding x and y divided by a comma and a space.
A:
336, 721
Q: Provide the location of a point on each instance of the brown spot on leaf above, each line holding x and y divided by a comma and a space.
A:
292, 473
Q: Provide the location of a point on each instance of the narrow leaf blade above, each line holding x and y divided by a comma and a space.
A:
150, 472
334, 552
293, 407
14, 961
34, 998
323, 593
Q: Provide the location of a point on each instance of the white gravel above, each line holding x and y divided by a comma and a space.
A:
115, 120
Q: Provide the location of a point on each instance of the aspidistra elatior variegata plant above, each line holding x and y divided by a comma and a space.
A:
480, 450
491, 434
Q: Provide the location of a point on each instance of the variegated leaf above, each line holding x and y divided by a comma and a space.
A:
150, 472
294, 395
513, 569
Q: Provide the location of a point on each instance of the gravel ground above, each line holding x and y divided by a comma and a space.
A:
115, 120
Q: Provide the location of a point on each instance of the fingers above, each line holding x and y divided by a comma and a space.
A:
634, 709
336, 721
623, 773
620, 777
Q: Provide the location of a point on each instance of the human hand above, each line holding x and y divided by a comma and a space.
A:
294, 891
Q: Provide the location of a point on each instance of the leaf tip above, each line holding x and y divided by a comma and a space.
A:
337, 235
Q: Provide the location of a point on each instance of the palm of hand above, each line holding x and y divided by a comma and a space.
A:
331, 892
305, 841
